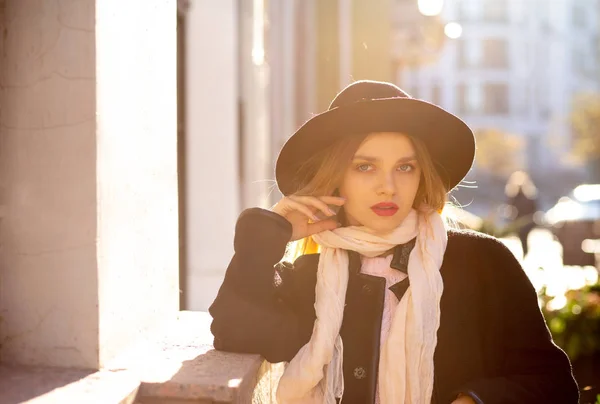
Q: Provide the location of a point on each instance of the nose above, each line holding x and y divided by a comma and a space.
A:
386, 185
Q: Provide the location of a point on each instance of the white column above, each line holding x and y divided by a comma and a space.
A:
136, 141
89, 240
212, 162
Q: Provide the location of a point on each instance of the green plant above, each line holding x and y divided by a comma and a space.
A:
575, 326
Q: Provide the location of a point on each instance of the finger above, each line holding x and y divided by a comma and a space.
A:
302, 209
333, 200
323, 225
315, 202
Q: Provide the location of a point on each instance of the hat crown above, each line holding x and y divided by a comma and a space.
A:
366, 90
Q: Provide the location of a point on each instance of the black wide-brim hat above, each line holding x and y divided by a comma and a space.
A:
370, 106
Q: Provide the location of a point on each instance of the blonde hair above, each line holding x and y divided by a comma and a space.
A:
323, 173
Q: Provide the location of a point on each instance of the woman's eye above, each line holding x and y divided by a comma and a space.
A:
406, 168
363, 167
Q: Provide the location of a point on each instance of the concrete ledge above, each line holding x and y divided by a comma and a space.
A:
178, 365
44, 385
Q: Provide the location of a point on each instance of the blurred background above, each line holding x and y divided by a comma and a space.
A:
524, 74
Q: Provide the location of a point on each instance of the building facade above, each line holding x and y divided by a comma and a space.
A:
516, 68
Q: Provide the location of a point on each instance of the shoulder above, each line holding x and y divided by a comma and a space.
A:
478, 246
469, 236
484, 259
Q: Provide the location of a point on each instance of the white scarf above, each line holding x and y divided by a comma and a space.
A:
315, 374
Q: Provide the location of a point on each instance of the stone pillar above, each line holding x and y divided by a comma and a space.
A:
88, 163
211, 145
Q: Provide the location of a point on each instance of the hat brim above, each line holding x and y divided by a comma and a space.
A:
449, 140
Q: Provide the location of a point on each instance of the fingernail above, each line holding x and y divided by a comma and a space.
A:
339, 224
315, 218
332, 212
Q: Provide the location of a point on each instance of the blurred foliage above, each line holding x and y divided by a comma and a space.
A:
585, 121
585, 125
499, 153
575, 327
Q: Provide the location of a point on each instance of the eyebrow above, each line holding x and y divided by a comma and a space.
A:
375, 159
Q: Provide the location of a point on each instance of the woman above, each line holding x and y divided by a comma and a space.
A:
383, 303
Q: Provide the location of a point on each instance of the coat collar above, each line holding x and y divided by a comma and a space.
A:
399, 262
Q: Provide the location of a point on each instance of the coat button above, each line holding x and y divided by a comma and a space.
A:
360, 373
367, 290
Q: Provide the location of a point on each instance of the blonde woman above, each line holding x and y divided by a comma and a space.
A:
383, 303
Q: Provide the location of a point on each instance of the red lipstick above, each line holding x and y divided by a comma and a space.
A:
385, 208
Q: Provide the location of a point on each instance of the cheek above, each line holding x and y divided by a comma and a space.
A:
351, 184
409, 185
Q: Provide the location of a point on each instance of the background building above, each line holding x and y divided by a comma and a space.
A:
516, 69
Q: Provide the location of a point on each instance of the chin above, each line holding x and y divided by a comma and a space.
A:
379, 224
384, 226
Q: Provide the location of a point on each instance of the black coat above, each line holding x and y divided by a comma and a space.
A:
493, 343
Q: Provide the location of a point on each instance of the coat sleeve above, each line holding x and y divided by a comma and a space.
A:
533, 369
251, 313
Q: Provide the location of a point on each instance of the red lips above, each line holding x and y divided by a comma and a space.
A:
385, 208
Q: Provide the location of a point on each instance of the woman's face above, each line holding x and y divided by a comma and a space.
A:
381, 183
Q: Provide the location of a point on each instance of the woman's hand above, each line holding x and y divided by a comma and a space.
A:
299, 209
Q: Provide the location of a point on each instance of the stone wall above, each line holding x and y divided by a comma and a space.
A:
89, 255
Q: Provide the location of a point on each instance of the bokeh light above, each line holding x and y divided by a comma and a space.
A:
431, 7
453, 30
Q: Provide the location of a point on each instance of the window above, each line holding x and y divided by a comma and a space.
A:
469, 53
495, 53
495, 10
523, 97
414, 91
461, 93
578, 60
436, 94
544, 13
469, 98
578, 16
461, 58
496, 99
534, 150
464, 11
